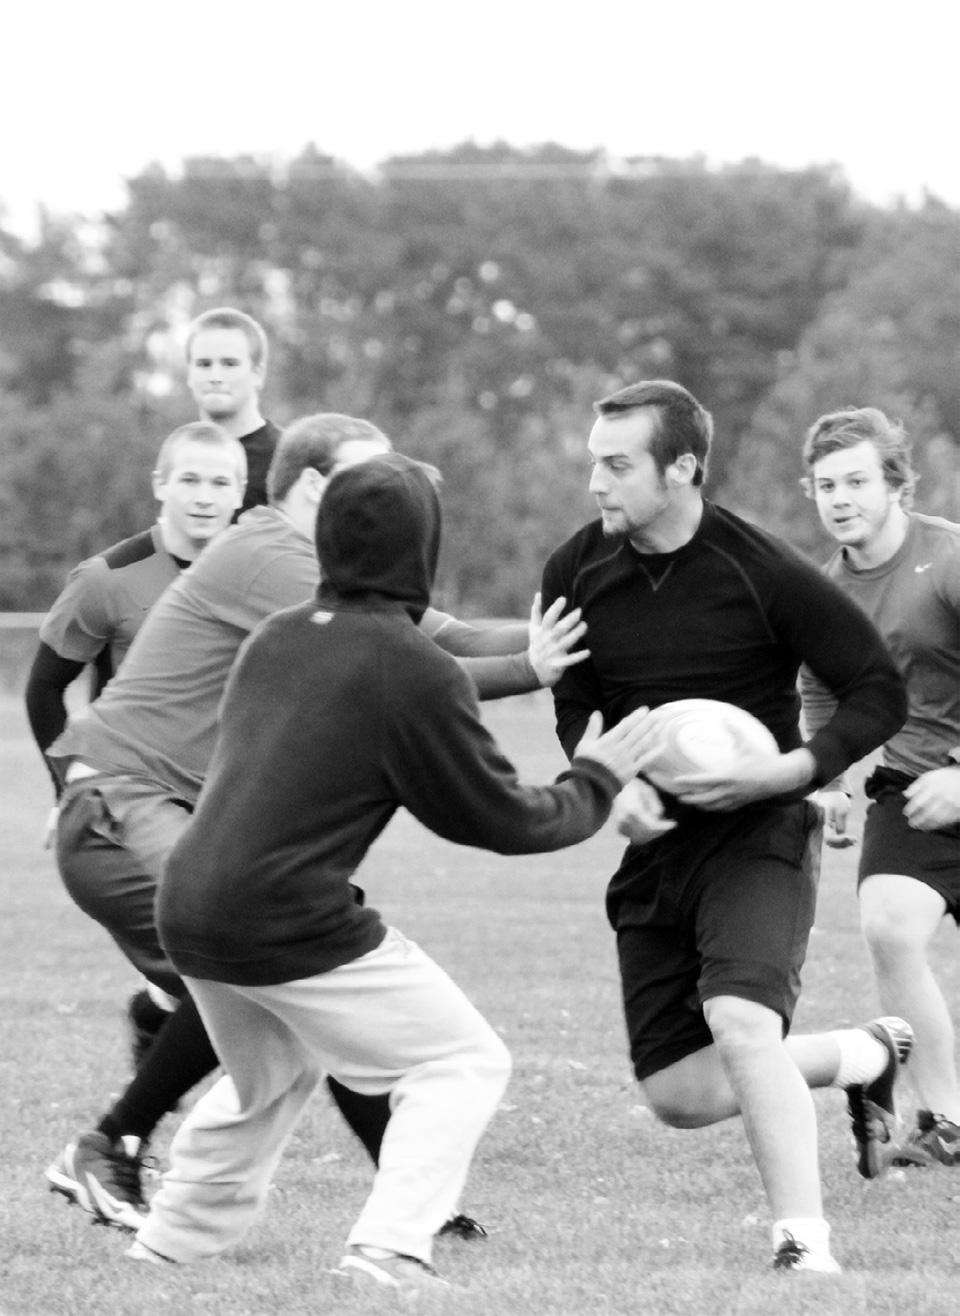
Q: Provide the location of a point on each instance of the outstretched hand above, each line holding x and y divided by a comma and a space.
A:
617, 749
552, 636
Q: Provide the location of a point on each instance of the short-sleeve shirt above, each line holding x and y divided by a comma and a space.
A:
107, 597
914, 600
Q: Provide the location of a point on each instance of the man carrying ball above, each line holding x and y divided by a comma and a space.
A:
714, 898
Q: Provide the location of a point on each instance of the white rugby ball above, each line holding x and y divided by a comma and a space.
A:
703, 735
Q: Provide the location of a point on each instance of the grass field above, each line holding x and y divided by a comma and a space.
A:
592, 1206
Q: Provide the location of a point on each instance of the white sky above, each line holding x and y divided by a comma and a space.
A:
92, 92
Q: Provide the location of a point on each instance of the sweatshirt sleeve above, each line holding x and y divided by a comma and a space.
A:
466, 789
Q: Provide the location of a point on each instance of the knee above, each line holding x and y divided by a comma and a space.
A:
741, 1028
888, 949
678, 1111
891, 939
687, 1095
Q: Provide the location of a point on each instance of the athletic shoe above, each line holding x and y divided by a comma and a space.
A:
138, 1251
395, 1271
103, 1177
793, 1255
873, 1112
462, 1226
145, 1018
935, 1141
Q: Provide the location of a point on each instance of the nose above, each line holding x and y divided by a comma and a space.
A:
597, 483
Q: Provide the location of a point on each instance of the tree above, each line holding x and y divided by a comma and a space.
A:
890, 339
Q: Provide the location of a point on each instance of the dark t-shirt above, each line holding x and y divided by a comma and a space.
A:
259, 445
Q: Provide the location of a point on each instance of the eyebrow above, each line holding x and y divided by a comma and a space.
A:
843, 475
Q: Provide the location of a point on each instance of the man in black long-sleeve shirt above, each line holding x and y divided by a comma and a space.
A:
714, 899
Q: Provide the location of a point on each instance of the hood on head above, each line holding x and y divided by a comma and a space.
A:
378, 531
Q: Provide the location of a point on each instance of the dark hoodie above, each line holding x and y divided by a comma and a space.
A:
338, 712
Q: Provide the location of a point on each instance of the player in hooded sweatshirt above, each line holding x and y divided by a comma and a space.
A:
337, 713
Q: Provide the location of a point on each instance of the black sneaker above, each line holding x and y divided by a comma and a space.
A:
462, 1226
793, 1255
145, 1018
873, 1112
935, 1141
103, 1177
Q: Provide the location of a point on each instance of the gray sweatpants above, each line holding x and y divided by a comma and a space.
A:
391, 1021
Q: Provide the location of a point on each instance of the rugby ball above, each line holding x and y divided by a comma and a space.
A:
703, 735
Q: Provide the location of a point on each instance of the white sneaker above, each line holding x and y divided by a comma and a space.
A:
138, 1251
793, 1255
394, 1271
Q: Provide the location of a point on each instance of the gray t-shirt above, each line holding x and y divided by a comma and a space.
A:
157, 719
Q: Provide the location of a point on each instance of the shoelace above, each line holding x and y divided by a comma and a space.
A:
126, 1174
464, 1226
789, 1253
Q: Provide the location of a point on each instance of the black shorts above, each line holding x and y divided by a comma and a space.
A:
722, 906
891, 845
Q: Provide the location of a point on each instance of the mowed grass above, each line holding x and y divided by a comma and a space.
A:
591, 1205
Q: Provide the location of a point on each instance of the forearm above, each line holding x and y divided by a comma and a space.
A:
46, 708
497, 678
464, 640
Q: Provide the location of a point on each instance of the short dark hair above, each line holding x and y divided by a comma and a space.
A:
313, 442
226, 317
854, 425
683, 425
200, 431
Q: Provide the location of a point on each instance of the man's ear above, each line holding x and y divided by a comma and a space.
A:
313, 483
682, 470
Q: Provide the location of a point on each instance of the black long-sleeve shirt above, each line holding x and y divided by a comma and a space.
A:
730, 615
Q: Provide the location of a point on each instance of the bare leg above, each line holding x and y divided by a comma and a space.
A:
697, 1091
899, 917
773, 1097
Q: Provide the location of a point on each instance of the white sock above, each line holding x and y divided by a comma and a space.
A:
811, 1232
862, 1057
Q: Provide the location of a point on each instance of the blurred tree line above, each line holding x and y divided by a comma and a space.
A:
473, 303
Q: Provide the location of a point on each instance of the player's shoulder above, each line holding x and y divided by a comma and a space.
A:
752, 547
411, 650
936, 532
584, 545
935, 554
261, 533
128, 552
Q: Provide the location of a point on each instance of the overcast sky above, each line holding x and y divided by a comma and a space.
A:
92, 92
